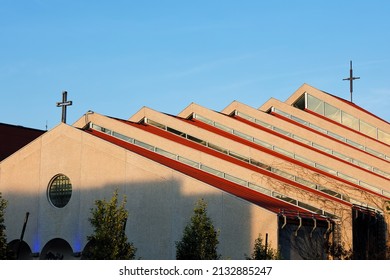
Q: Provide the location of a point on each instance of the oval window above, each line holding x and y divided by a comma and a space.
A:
59, 191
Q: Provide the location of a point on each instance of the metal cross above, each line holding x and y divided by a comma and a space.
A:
350, 79
65, 103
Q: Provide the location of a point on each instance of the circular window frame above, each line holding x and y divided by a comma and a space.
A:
61, 184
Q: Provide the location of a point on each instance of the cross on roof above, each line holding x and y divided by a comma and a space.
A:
350, 79
65, 103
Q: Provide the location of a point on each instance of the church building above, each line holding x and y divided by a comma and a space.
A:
311, 173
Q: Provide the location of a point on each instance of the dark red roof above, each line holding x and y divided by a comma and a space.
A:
14, 137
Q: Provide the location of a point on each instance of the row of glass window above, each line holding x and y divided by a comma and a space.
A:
292, 155
333, 135
315, 145
253, 161
323, 108
211, 170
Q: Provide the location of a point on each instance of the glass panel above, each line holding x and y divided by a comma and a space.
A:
304, 160
263, 123
262, 143
305, 182
224, 128
123, 137
383, 173
235, 180
314, 104
165, 153
368, 129
349, 120
281, 113
383, 136
156, 124
203, 119
96, 127
238, 156
326, 169
299, 120
318, 128
282, 131
197, 140
370, 187
188, 161
348, 178
283, 174
302, 140
244, 116
332, 112
212, 170
386, 193
285, 198
353, 143
334, 135
342, 156
373, 152
260, 164
322, 148
177, 132
260, 189
144, 145
361, 164
243, 135
217, 148
284, 152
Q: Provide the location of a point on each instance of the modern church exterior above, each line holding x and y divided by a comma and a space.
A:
311, 173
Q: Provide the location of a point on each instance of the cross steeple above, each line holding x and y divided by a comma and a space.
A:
65, 103
351, 79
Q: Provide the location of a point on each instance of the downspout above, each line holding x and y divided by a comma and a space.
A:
300, 225
328, 229
314, 227
284, 221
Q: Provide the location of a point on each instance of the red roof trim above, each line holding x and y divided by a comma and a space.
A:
272, 204
324, 135
186, 142
253, 145
304, 145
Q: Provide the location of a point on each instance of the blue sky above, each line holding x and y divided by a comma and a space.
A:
114, 57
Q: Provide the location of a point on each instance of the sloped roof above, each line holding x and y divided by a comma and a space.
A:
14, 137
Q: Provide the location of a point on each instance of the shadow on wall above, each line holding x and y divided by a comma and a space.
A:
158, 212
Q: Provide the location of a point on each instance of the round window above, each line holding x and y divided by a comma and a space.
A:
59, 191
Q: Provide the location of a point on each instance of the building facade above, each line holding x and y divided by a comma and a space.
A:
312, 173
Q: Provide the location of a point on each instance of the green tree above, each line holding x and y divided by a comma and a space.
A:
263, 251
3, 237
200, 239
109, 241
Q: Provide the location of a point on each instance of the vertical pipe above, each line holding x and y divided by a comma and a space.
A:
22, 235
